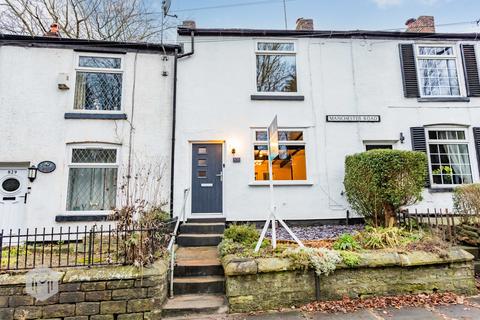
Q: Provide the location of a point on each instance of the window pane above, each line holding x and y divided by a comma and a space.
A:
436, 51
438, 77
98, 91
91, 189
451, 165
276, 73
290, 165
369, 147
290, 135
99, 62
275, 46
446, 135
94, 156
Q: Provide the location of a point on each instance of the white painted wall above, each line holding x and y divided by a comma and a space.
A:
336, 76
33, 127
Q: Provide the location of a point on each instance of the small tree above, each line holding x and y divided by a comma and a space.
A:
379, 182
466, 202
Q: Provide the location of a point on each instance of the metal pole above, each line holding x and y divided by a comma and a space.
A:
285, 13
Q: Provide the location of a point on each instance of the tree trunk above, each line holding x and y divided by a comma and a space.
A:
390, 218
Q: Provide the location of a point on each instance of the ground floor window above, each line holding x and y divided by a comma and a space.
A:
449, 157
369, 147
92, 179
290, 163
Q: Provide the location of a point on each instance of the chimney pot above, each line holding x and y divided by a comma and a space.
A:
304, 24
189, 24
425, 24
54, 31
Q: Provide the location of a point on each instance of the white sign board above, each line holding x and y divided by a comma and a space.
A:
273, 139
353, 118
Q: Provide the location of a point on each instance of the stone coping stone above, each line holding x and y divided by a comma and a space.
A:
96, 273
235, 266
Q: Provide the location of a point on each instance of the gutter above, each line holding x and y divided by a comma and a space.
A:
174, 115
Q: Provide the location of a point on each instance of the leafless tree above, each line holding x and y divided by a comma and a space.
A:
115, 20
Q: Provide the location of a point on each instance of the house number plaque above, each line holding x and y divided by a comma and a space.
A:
46, 166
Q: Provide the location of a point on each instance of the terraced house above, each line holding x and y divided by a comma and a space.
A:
335, 93
79, 117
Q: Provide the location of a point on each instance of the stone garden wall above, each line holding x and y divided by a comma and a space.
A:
270, 283
98, 293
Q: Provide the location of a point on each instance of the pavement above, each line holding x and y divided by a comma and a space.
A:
468, 311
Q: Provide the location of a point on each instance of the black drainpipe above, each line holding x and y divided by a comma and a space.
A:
174, 116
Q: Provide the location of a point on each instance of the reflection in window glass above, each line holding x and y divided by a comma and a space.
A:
98, 91
202, 162
261, 135
202, 150
438, 71
275, 46
276, 73
99, 62
202, 174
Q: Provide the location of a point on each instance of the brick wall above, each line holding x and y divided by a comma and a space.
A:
101, 293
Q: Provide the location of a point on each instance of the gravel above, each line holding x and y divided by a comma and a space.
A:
316, 232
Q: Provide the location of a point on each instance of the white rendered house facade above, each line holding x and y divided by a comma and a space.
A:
335, 94
80, 112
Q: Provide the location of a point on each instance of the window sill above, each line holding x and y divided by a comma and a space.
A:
441, 190
281, 183
96, 116
81, 217
444, 99
274, 97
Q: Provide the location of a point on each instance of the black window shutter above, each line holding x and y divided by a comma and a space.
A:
470, 68
419, 143
409, 71
476, 138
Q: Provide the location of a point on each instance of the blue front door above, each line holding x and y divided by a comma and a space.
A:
207, 176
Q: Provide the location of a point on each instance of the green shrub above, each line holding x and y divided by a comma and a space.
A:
466, 201
379, 182
323, 261
351, 259
346, 242
246, 234
383, 238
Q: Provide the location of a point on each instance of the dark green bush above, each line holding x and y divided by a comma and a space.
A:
379, 182
346, 242
245, 234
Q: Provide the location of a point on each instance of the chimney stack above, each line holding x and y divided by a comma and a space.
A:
424, 24
53, 32
189, 24
304, 24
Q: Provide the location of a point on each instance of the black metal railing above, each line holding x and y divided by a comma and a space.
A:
81, 246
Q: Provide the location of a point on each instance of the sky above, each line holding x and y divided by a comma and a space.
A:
450, 15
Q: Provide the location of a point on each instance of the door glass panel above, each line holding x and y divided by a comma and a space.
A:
202, 150
11, 185
202, 174
202, 162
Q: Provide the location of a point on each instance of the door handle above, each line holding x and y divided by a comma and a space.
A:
24, 197
220, 175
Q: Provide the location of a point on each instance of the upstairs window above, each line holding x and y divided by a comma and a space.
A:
98, 83
437, 71
276, 67
290, 163
92, 179
449, 157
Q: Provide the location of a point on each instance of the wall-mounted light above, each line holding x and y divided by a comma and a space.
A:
233, 151
32, 173
402, 137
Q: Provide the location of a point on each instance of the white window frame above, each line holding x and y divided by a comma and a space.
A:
458, 65
99, 70
256, 142
273, 52
467, 142
71, 164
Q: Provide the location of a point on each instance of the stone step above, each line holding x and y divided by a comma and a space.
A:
197, 261
202, 228
196, 285
473, 250
199, 240
206, 220
207, 269
194, 304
